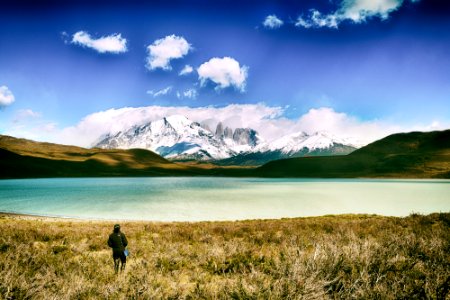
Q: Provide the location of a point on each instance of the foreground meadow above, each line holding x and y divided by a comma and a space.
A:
351, 256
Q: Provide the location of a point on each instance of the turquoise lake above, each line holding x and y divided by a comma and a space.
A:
207, 198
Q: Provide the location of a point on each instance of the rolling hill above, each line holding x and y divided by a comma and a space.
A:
21, 158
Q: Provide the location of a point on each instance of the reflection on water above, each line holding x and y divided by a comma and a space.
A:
208, 198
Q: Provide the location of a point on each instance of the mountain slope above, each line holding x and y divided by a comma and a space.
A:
260, 158
298, 144
405, 155
302, 142
176, 137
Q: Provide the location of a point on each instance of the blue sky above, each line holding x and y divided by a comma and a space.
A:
379, 63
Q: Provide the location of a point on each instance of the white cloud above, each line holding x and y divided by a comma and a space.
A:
30, 124
224, 72
186, 70
268, 121
24, 114
316, 19
273, 22
357, 11
114, 43
162, 51
6, 96
161, 92
344, 125
189, 93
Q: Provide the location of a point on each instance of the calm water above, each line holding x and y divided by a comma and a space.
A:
192, 199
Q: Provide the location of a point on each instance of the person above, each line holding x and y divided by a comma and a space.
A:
118, 241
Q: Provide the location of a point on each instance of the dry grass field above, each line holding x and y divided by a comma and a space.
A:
349, 256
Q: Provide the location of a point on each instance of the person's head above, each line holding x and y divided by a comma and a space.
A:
116, 228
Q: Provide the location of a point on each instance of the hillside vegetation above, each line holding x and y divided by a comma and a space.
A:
350, 256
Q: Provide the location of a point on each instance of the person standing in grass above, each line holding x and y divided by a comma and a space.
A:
118, 241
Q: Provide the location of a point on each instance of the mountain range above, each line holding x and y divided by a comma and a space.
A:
403, 155
180, 139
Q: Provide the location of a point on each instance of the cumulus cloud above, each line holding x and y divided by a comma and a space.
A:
114, 43
6, 96
357, 11
186, 70
162, 51
161, 92
224, 72
272, 22
189, 93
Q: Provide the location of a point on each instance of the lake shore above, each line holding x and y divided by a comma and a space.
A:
343, 256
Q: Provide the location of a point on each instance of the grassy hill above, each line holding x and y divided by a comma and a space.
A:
404, 155
22, 158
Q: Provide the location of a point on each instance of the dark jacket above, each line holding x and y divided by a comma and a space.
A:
117, 241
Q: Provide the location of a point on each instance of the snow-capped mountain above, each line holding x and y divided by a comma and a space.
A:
293, 143
177, 137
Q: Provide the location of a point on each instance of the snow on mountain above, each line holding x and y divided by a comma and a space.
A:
296, 142
177, 137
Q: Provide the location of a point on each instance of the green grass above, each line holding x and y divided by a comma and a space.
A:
350, 256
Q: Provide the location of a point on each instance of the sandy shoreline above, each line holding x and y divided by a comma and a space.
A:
20, 216
60, 218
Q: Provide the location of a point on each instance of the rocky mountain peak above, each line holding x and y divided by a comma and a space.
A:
219, 130
245, 136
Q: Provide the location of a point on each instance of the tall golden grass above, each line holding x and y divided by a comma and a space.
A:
349, 256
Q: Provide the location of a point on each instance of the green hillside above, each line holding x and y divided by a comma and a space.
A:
404, 155
22, 158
